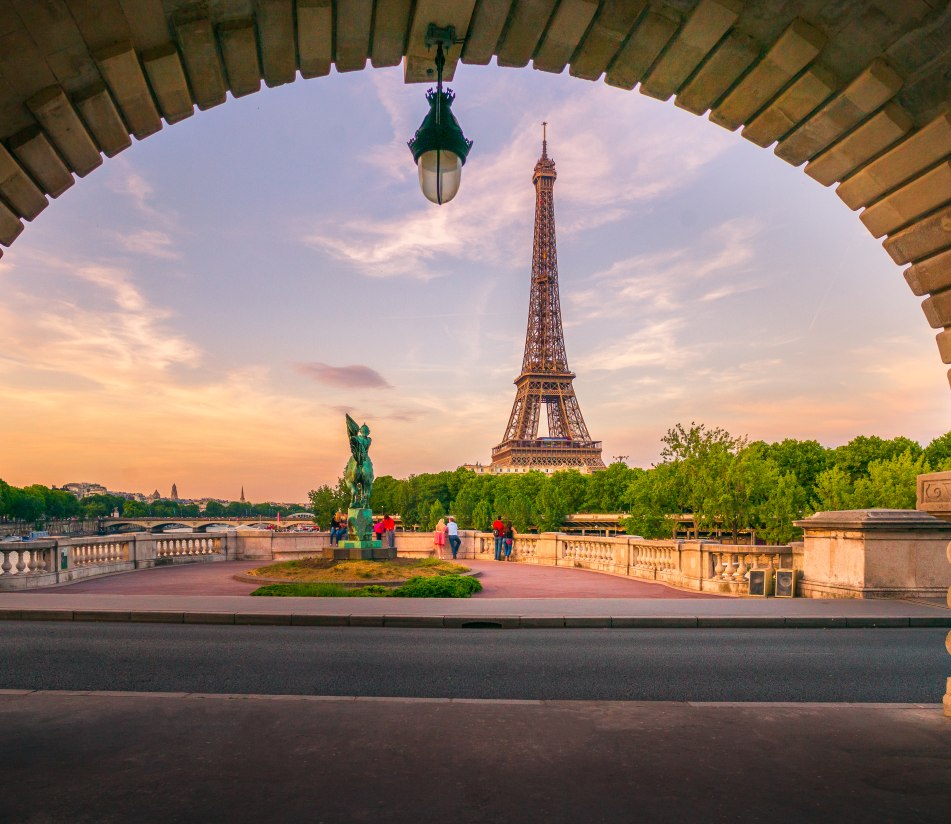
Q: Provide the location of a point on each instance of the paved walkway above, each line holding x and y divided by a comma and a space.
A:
499, 580
183, 758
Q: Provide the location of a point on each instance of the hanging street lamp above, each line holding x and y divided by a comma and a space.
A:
439, 146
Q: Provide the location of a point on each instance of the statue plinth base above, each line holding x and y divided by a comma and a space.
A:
364, 547
363, 551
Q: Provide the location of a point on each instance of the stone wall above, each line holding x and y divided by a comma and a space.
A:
875, 553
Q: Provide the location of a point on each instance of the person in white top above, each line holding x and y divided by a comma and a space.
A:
452, 532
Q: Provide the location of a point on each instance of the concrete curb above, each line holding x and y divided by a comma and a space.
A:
478, 621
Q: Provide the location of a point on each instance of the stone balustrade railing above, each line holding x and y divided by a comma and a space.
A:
704, 566
188, 547
50, 561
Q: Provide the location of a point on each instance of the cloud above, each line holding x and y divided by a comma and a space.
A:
151, 242
355, 376
491, 219
652, 345
666, 281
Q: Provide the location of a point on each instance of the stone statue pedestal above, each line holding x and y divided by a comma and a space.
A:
363, 546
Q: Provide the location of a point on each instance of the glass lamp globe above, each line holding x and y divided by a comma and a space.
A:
440, 173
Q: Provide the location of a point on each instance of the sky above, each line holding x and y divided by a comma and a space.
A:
205, 307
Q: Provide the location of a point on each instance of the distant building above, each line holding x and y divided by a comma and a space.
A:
242, 496
155, 496
83, 489
495, 469
174, 495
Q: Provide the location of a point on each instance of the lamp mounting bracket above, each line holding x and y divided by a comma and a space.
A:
444, 36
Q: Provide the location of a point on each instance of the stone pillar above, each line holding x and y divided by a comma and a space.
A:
547, 547
874, 553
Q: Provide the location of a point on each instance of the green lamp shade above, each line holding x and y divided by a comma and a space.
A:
440, 149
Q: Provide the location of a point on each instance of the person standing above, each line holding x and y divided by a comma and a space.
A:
378, 531
334, 526
452, 531
389, 531
509, 539
439, 537
498, 531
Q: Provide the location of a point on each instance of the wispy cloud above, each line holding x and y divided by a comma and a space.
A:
654, 344
666, 281
492, 216
153, 242
355, 376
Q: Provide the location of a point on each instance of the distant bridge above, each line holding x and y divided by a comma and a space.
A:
157, 525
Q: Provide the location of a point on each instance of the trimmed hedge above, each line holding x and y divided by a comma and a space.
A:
443, 586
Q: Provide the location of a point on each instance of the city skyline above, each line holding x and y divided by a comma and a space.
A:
181, 314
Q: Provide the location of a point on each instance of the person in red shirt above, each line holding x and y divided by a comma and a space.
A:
389, 531
498, 530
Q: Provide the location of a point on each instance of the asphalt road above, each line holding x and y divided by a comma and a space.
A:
853, 665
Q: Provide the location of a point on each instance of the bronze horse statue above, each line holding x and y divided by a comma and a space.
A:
359, 470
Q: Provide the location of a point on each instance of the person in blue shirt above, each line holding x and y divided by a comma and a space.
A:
452, 532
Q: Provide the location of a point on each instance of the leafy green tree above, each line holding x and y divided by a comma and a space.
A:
436, 511
891, 483
482, 517
785, 503
651, 497
739, 483
805, 459
135, 509
552, 508
855, 456
327, 500
938, 452
215, 509
572, 486
834, 490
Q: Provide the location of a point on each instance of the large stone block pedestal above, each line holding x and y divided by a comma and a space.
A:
875, 553
360, 544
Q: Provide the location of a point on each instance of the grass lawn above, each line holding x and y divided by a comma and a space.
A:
323, 570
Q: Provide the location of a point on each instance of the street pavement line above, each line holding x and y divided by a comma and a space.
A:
822, 705
508, 621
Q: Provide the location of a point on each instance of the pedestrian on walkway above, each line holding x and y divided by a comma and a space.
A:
389, 532
498, 531
452, 531
378, 531
439, 538
509, 539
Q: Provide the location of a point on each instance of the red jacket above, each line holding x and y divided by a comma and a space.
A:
498, 528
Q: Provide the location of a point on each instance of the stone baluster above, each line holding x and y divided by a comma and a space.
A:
6, 566
21, 562
40, 567
742, 569
31, 563
727, 566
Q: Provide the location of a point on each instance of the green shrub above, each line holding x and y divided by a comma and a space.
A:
372, 591
444, 586
306, 590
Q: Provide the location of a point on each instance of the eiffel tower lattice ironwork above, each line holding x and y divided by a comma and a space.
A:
545, 378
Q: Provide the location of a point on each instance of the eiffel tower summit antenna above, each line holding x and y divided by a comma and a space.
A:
545, 379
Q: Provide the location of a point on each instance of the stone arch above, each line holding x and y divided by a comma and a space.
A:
856, 91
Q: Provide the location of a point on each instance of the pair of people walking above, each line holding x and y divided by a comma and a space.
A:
504, 534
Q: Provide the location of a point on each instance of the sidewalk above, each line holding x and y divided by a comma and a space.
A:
171, 595
176, 757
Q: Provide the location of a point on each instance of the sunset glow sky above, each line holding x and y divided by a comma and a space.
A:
205, 307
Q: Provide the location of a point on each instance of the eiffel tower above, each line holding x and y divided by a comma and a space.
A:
545, 378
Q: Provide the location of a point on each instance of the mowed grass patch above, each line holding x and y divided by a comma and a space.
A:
324, 570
